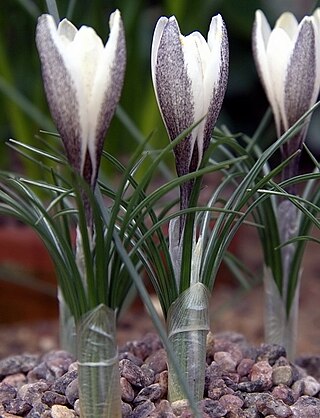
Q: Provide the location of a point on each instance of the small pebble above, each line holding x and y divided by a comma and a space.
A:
306, 407
127, 392
58, 362
59, 411
262, 372
157, 361
18, 364
72, 391
267, 405
153, 392
231, 402
60, 385
17, 380
32, 392
270, 353
225, 361
282, 375
143, 410
17, 406
51, 398
7, 392
245, 366
213, 408
132, 373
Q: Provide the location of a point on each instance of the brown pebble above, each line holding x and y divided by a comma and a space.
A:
231, 402
132, 373
127, 392
157, 361
262, 372
245, 366
225, 361
51, 398
17, 380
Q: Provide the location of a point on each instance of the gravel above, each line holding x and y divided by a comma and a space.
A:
242, 381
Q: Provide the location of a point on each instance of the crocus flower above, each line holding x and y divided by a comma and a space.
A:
189, 77
83, 81
288, 63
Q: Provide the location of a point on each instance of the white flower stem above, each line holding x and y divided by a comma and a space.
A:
188, 326
98, 366
281, 320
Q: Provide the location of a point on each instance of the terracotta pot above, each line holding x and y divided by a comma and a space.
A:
27, 277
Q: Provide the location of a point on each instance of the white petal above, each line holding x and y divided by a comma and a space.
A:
66, 30
279, 50
261, 36
316, 23
196, 51
288, 23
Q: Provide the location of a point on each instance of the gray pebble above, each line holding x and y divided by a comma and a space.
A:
143, 410
53, 398
18, 364
213, 408
32, 392
267, 405
153, 392
7, 392
306, 407
39, 410
41, 372
126, 410
311, 386
76, 407
58, 362
270, 353
60, 385
17, 406
72, 391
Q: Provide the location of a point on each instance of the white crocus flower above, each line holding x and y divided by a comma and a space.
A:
189, 77
83, 81
288, 63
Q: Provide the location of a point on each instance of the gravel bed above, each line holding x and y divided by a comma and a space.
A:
242, 381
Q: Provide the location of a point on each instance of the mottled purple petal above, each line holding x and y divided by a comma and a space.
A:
111, 97
174, 92
301, 74
60, 91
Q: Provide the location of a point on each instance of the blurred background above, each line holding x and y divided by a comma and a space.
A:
24, 110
